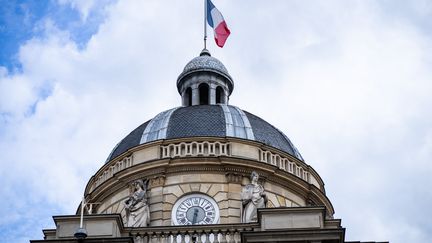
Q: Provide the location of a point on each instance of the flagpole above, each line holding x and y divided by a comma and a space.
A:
82, 213
205, 24
81, 233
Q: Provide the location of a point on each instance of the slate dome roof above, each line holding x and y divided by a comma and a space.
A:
206, 121
207, 62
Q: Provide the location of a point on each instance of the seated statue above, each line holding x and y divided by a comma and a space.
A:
137, 208
253, 197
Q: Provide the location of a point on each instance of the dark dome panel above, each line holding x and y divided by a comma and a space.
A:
268, 134
206, 121
131, 140
197, 121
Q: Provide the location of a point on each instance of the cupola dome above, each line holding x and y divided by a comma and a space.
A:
204, 81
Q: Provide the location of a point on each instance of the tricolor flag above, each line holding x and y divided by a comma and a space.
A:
217, 22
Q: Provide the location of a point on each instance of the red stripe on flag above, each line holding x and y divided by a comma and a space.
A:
221, 34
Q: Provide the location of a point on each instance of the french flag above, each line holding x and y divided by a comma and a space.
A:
217, 22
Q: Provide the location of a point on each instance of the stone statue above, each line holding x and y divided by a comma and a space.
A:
137, 208
253, 197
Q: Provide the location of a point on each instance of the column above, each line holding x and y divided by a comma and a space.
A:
195, 95
183, 97
225, 97
212, 94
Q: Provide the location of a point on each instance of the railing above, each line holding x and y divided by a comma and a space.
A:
207, 148
195, 149
192, 234
283, 164
110, 171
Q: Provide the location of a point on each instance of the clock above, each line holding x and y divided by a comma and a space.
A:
195, 209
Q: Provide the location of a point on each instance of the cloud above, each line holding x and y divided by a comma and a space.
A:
348, 82
84, 7
76, 101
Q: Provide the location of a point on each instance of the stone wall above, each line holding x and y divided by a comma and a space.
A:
225, 189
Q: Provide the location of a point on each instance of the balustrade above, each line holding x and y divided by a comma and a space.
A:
195, 149
191, 234
111, 170
283, 164
206, 148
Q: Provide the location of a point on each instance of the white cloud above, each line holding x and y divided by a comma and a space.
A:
347, 81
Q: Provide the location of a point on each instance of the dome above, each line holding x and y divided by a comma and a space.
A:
206, 121
205, 63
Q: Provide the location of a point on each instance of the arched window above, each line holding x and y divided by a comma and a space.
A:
203, 94
188, 97
220, 95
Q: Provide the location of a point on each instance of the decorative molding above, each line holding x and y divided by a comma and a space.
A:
179, 156
207, 148
310, 202
157, 181
213, 149
234, 177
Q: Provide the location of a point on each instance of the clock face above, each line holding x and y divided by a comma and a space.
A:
195, 209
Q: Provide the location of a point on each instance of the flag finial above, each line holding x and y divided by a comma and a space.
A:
205, 52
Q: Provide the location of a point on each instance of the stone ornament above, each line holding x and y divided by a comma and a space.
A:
253, 197
233, 178
157, 181
137, 208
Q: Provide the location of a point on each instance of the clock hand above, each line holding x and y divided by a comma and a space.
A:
195, 215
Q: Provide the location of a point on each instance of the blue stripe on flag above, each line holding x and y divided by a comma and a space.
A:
210, 6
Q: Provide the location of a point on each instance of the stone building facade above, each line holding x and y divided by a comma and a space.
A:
194, 165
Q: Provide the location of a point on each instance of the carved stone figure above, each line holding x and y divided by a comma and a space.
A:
137, 208
253, 197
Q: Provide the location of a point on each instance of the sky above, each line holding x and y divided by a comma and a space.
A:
348, 81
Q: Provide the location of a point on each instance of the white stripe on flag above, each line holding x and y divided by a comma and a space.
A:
217, 17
